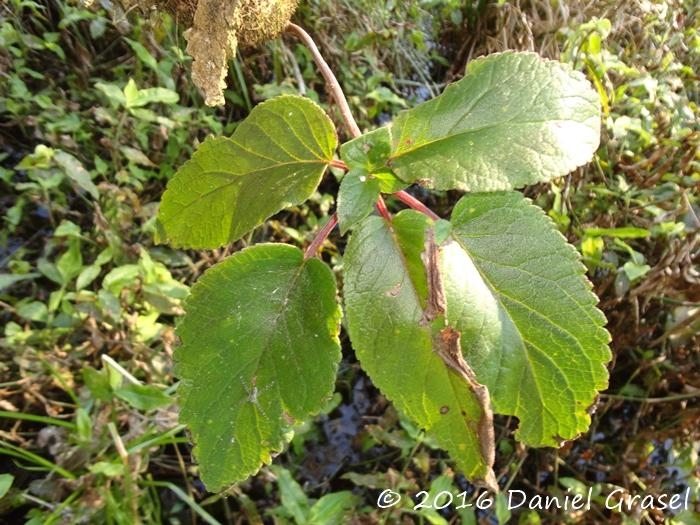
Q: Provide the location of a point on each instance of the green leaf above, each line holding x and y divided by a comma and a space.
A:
67, 229
33, 311
153, 96
86, 276
8, 279
503, 513
121, 277
40, 159
530, 330
369, 154
136, 156
76, 172
131, 92
626, 232
274, 159
106, 468
5, 484
514, 119
294, 500
136, 98
333, 508
97, 383
635, 271
369, 151
143, 54
400, 343
50, 271
143, 397
70, 263
259, 352
113, 93
83, 426
356, 198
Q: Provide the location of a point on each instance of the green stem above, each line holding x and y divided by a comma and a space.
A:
19, 453
37, 419
652, 400
114, 144
208, 518
130, 489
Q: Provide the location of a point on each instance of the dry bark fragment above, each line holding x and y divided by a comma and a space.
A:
218, 27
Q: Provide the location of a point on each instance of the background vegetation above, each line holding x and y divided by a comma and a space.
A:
96, 113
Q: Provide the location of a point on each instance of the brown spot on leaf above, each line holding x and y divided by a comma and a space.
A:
289, 420
395, 290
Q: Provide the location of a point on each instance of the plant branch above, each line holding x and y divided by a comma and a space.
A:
331, 82
321, 236
339, 164
414, 203
382, 209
